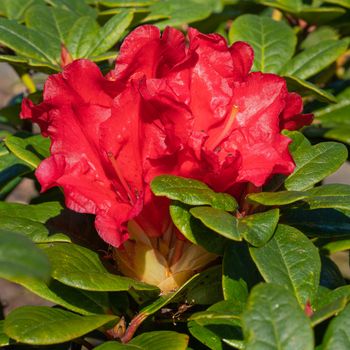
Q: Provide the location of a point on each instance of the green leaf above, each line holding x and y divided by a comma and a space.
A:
78, 7
110, 33
333, 295
277, 198
156, 340
293, 6
273, 42
337, 246
175, 13
191, 192
257, 229
220, 321
41, 325
32, 150
35, 212
274, 320
4, 339
328, 311
314, 59
337, 114
29, 43
313, 163
320, 34
326, 223
19, 257
344, 3
54, 22
306, 88
16, 9
81, 268
320, 15
290, 259
126, 3
194, 231
84, 32
234, 274
34, 230
224, 312
218, 220
337, 333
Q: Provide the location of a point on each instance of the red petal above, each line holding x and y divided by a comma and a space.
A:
242, 57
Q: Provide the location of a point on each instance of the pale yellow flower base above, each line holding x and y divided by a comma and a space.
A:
166, 262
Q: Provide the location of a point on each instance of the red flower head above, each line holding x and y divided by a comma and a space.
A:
189, 109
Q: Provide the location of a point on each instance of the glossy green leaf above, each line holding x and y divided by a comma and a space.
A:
82, 34
333, 295
54, 22
32, 150
218, 220
224, 312
305, 88
175, 13
219, 321
29, 43
257, 229
277, 198
19, 257
156, 340
110, 33
35, 212
328, 311
326, 223
313, 163
81, 268
337, 114
78, 7
40, 325
34, 230
273, 42
290, 259
4, 339
191, 192
312, 60
194, 230
293, 6
274, 320
320, 34
337, 333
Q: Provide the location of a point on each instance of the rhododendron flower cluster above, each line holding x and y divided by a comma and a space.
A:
188, 107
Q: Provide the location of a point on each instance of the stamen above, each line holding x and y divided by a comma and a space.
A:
224, 133
131, 196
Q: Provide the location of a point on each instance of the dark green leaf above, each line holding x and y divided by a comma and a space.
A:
277, 198
273, 42
337, 334
258, 228
81, 268
40, 325
126, 3
19, 257
274, 320
16, 9
191, 192
194, 231
78, 7
313, 163
218, 220
320, 34
290, 259
312, 60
